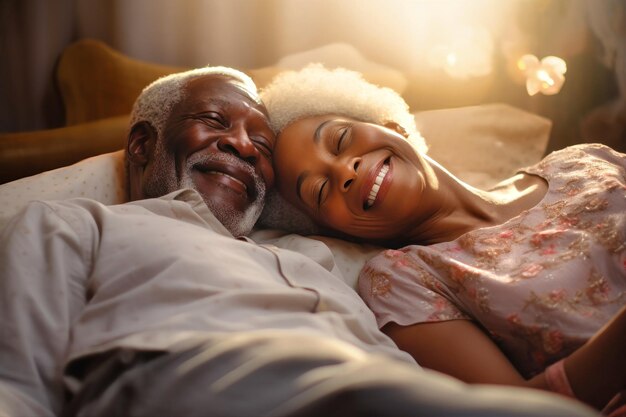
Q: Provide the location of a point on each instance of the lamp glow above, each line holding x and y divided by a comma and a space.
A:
545, 76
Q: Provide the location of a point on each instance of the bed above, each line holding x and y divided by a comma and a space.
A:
84, 158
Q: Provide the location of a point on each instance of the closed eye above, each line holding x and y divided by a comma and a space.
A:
213, 119
321, 193
343, 139
263, 147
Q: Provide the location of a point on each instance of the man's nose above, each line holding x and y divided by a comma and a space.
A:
238, 143
345, 172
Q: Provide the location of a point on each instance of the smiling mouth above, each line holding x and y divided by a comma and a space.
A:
227, 180
371, 198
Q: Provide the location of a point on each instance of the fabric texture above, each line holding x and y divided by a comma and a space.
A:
97, 82
24, 154
557, 379
558, 382
270, 374
101, 178
542, 283
80, 278
154, 307
483, 145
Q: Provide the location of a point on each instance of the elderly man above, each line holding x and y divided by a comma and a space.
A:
161, 307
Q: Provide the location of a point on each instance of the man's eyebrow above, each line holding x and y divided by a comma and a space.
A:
299, 182
318, 131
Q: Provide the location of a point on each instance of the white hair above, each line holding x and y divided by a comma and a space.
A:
156, 101
315, 91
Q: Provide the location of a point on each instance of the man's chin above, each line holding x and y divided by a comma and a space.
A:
231, 204
238, 222
227, 202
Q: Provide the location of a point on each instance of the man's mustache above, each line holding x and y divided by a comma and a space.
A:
233, 162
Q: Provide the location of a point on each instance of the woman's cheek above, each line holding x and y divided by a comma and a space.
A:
337, 217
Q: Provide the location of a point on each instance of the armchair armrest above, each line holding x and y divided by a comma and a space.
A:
27, 153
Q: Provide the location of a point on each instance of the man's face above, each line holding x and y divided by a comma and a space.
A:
217, 141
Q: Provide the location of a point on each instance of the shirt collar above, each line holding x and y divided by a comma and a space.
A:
197, 204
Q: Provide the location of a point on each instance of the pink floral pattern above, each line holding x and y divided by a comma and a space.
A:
542, 283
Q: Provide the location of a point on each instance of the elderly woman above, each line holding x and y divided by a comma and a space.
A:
510, 286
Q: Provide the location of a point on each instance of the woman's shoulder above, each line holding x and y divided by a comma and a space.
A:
586, 150
576, 158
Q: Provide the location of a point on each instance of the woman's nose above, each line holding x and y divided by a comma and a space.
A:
238, 143
346, 172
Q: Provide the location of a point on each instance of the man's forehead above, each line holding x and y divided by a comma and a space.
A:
246, 89
223, 90
223, 84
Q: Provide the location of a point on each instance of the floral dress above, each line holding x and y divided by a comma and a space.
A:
541, 284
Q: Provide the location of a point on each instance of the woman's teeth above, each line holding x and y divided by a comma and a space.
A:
377, 182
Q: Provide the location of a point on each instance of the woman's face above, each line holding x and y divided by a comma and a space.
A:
362, 179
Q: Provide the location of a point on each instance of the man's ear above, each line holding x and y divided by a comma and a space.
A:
141, 141
396, 128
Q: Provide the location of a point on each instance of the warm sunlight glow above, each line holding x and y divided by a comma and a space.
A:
451, 59
466, 52
545, 76
521, 65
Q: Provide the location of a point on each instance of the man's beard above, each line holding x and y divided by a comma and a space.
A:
163, 180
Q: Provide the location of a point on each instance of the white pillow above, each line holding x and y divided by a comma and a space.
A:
481, 144
101, 178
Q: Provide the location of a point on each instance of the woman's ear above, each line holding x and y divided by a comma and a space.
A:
396, 128
141, 141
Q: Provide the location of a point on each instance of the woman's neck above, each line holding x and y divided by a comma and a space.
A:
457, 208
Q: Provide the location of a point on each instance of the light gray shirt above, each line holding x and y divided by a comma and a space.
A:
78, 277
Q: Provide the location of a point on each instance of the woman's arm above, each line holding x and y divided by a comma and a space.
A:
458, 348
596, 371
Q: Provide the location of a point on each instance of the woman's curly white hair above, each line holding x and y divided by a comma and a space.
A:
315, 91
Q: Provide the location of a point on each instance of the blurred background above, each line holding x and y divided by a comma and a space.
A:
436, 53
